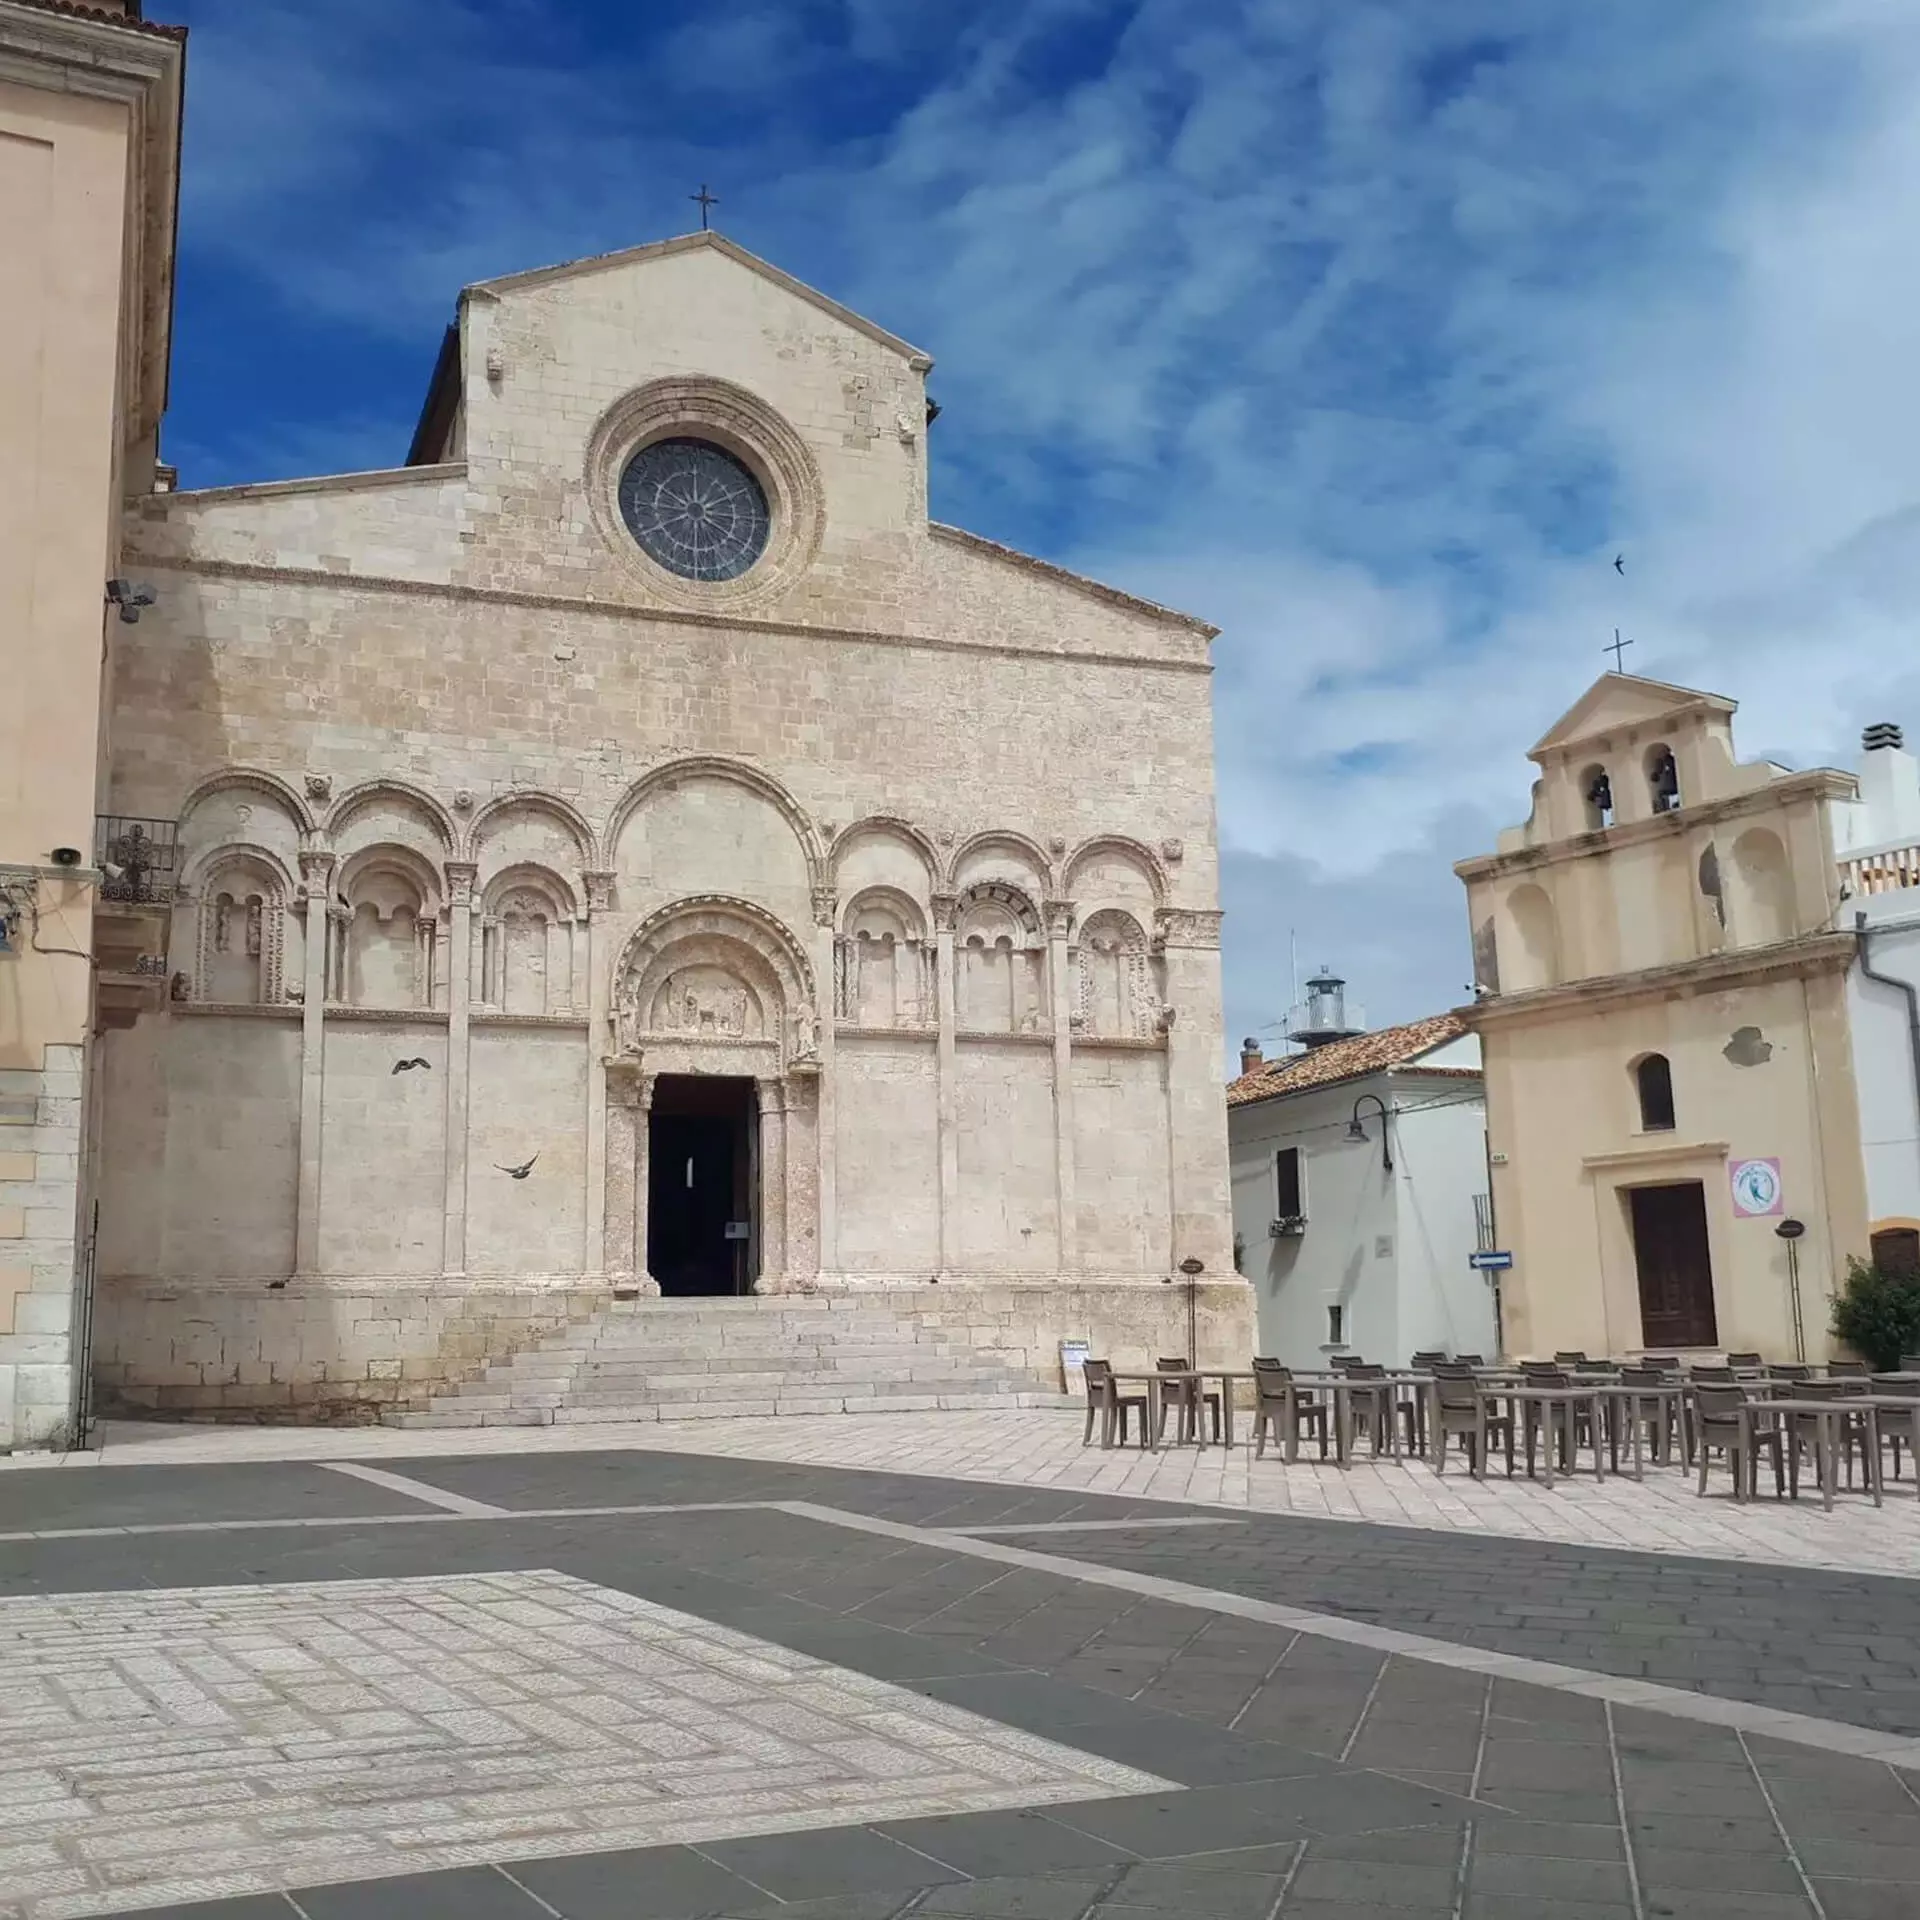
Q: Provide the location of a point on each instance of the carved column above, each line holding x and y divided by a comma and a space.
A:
1196, 1115
826, 1007
1060, 997
625, 1129
945, 906
459, 975
643, 1181
600, 962
316, 867
774, 1277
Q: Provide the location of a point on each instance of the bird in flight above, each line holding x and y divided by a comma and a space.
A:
517, 1173
407, 1066
1619, 563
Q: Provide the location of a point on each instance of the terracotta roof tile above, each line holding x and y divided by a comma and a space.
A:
1349, 1059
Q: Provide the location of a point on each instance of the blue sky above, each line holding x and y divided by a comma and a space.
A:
1369, 329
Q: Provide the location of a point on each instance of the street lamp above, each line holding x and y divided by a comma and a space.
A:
1356, 1127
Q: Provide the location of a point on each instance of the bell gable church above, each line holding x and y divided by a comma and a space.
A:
630, 851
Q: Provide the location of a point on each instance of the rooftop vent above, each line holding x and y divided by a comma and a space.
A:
1883, 733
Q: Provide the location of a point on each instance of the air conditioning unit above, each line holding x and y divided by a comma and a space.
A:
1290, 1226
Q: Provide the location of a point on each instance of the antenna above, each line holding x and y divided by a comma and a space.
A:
1293, 974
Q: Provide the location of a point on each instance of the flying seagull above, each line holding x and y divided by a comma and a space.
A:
517, 1173
407, 1066
1619, 563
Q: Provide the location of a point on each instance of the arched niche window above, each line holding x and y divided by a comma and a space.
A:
388, 929
1663, 778
529, 937
1760, 885
885, 962
1001, 959
243, 922
1528, 941
1113, 979
1653, 1083
1596, 796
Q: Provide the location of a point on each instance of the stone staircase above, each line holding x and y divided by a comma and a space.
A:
709, 1359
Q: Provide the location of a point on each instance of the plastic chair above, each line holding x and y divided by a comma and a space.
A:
1726, 1422
1185, 1395
1284, 1409
1105, 1400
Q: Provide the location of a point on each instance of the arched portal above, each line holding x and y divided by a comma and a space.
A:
712, 1159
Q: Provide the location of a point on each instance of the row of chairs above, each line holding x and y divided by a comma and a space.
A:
1115, 1408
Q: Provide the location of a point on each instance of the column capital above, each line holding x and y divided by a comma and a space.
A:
598, 882
316, 863
1186, 927
946, 909
826, 902
1059, 919
461, 874
773, 1091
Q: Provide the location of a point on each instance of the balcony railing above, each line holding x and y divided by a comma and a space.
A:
136, 859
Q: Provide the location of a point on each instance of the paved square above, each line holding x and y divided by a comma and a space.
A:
158, 1747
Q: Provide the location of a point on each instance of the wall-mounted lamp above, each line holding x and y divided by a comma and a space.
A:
1356, 1127
130, 596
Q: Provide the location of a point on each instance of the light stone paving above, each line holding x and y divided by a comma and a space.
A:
1041, 1447
197, 1743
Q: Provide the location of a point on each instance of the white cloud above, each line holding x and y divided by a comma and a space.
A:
1369, 331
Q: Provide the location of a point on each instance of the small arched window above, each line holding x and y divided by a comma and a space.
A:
1653, 1079
1596, 795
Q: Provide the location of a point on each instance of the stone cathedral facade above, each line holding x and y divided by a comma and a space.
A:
630, 849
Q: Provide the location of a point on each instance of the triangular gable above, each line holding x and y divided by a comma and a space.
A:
1619, 700
689, 243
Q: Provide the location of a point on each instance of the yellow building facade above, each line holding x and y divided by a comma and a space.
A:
89, 165
1662, 1007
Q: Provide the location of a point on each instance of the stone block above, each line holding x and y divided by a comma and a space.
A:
19, 1167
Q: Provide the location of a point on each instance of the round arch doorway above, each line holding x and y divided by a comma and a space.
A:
703, 1185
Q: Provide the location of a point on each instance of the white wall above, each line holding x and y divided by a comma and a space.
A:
1440, 1163
1391, 1250
1883, 1061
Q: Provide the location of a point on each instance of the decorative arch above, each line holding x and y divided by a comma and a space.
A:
891, 825
999, 960
884, 961
564, 813
243, 896
714, 969
532, 946
1529, 940
1135, 852
1003, 840
1759, 886
269, 786
1113, 977
386, 928
671, 773
358, 799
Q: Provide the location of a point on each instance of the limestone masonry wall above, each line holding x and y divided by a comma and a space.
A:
487, 823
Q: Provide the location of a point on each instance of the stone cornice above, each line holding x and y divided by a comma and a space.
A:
1810, 955
1078, 582
663, 616
1817, 783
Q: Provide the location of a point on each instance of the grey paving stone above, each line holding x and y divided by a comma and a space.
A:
1707, 1903
1506, 1906
1535, 1877
1374, 1883
1185, 1887
1863, 1860
828, 1861
462, 1893
1547, 1840
1667, 1869
1014, 1899
1542, 1767
1867, 1899
1013, 1843
1305, 1909
1413, 1846
1702, 1833
839, 1906
652, 1883
1556, 1809
1204, 1820
164, 1496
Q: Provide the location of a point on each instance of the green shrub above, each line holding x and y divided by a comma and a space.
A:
1878, 1314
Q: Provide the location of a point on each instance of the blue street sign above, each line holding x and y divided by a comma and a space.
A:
1490, 1262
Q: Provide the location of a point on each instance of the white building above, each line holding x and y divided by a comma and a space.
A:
1878, 846
1357, 1244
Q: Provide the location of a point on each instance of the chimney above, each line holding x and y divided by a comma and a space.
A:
1250, 1055
1882, 734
